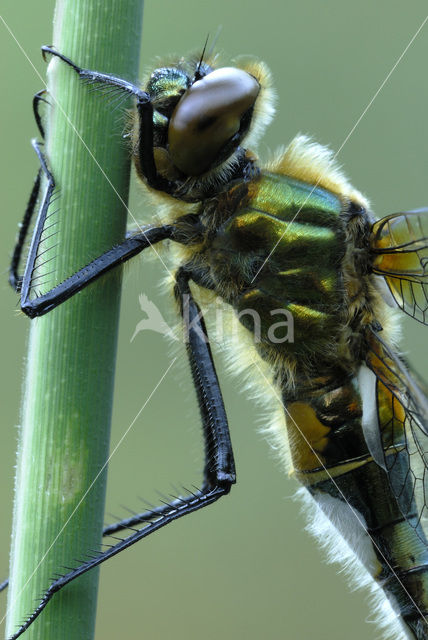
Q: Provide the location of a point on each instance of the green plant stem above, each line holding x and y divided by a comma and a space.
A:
64, 439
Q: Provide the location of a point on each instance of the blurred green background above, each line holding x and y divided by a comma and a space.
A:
244, 568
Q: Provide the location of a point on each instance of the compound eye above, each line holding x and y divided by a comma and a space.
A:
207, 116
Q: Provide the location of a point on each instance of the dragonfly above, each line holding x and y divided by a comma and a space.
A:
317, 286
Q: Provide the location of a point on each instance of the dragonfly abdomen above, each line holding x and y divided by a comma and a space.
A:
331, 459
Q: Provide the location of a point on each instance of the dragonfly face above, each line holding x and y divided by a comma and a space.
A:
201, 116
294, 239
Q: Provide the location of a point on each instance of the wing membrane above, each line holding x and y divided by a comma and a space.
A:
402, 410
399, 247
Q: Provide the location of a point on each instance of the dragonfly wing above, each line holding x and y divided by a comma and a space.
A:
402, 423
399, 249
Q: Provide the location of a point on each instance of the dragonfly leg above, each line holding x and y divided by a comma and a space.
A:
40, 305
15, 279
145, 115
44, 303
37, 99
129, 523
219, 469
119, 254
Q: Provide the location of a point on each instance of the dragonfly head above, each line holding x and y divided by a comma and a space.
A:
210, 120
202, 115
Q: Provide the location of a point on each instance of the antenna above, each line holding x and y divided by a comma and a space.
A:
198, 74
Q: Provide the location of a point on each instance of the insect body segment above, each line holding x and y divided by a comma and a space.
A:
294, 239
248, 277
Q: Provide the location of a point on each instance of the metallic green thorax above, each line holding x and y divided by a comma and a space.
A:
282, 250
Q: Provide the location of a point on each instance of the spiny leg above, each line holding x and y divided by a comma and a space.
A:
24, 284
145, 114
15, 279
40, 305
128, 523
131, 246
119, 254
219, 468
37, 99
